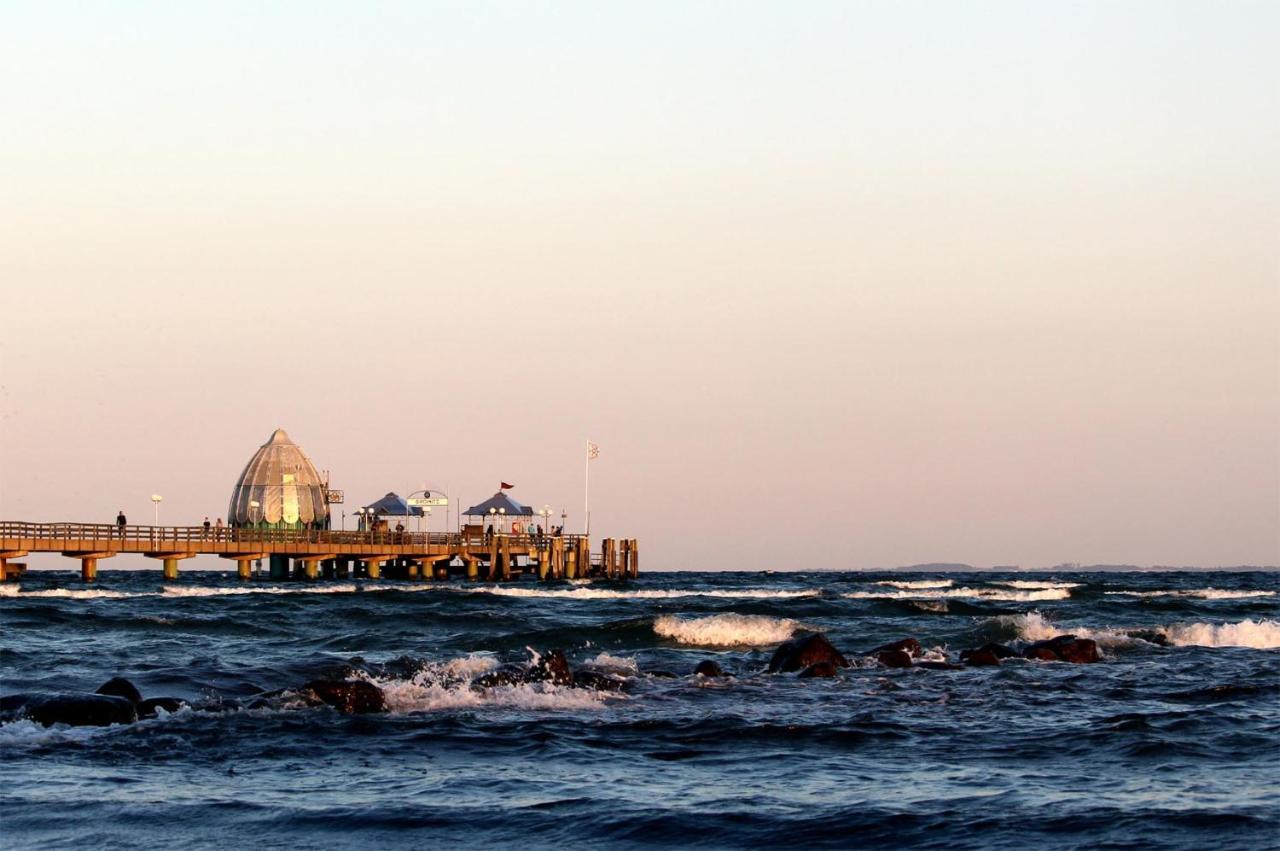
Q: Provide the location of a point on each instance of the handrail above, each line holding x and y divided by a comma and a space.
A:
159, 536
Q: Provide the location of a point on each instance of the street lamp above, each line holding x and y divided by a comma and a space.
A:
564, 518
502, 520
156, 499
254, 505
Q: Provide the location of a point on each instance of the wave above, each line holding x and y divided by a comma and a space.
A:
68, 593
1033, 584
609, 594
918, 583
973, 593
1195, 593
1260, 634
614, 664
439, 687
726, 630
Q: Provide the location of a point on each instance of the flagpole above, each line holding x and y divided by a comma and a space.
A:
586, 486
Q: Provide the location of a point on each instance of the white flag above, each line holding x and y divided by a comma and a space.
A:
593, 451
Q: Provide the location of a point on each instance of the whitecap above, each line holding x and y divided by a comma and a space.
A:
1033, 584
972, 593
918, 583
611, 594
1195, 593
726, 630
1260, 634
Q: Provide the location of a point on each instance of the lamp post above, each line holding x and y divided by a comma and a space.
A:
564, 518
254, 505
493, 520
502, 520
156, 499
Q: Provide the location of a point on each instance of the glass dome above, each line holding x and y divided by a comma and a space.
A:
284, 483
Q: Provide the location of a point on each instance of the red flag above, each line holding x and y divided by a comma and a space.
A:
504, 486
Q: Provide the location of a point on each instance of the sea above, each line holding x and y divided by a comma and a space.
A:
1171, 741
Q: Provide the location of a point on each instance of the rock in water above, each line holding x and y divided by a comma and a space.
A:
120, 687
81, 710
354, 697
707, 668
150, 707
598, 681
990, 650
553, 667
1064, 648
799, 653
818, 669
907, 645
894, 658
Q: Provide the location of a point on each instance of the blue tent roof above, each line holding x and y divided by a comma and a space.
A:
500, 501
393, 505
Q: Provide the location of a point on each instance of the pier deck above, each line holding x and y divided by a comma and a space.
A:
315, 553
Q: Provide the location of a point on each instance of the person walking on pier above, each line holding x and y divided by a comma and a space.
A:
121, 522
207, 527
217, 529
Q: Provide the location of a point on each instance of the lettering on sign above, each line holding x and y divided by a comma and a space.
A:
333, 497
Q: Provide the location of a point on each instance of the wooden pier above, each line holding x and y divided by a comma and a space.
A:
312, 554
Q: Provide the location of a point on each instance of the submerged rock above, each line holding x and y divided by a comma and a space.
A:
819, 669
894, 658
551, 668
354, 697
120, 687
598, 681
799, 653
76, 710
988, 654
708, 668
1064, 648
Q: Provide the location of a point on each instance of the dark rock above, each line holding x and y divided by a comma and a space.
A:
598, 681
1064, 648
979, 657
799, 653
907, 645
354, 697
80, 710
149, 707
988, 651
894, 658
507, 675
707, 668
120, 687
553, 667
818, 669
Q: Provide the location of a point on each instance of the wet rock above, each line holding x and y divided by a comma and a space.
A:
979, 657
894, 658
799, 653
507, 675
819, 669
1064, 648
707, 668
907, 645
79, 710
598, 681
659, 674
120, 687
354, 697
553, 667
150, 707
986, 653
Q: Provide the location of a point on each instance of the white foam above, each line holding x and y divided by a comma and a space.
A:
917, 583
1032, 584
1196, 593
971, 593
726, 630
1261, 634
615, 664
73, 593
610, 594
8, 590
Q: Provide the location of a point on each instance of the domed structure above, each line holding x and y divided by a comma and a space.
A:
284, 483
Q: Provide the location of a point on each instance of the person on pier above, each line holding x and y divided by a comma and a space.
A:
121, 522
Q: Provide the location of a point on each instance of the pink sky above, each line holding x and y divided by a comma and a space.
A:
843, 302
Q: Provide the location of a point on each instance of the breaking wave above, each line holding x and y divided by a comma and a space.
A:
727, 630
610, 594
1195, 593
973, 593
918, 583
1032, 584
1260, 634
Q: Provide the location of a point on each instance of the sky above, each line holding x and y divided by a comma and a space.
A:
832, 285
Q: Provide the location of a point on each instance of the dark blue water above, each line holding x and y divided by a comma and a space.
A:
1171, 741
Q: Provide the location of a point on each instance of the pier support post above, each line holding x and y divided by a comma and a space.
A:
473, 569
11, 570
311, 568
89, 569
244, 569
635, 558
170, 569
504, 559
373, 565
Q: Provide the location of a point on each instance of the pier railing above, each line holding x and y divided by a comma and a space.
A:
193, 537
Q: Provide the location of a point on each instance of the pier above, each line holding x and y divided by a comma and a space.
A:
311, 554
